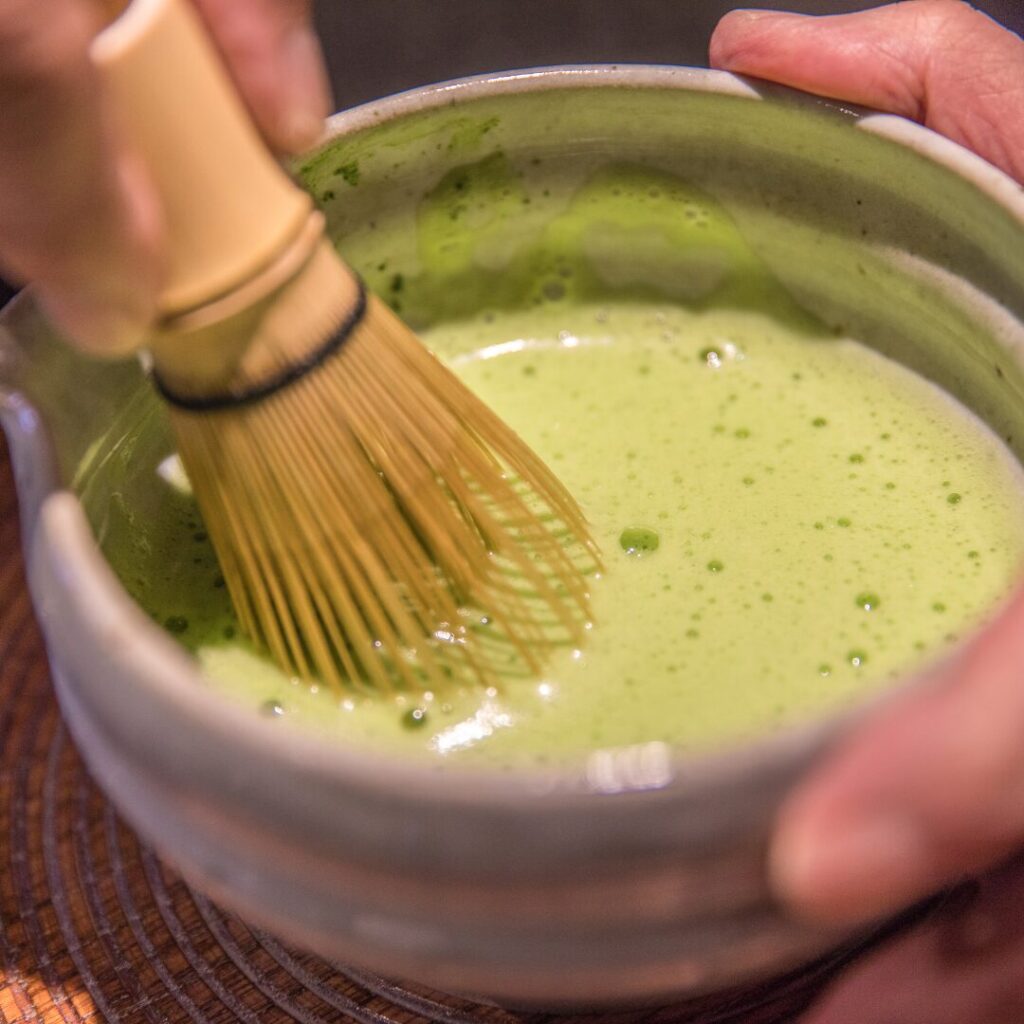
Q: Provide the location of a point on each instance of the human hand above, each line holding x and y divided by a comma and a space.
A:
963, 965
939, 62
931, 788
928, 791
77, 213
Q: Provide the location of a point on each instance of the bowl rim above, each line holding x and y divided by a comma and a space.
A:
145, 652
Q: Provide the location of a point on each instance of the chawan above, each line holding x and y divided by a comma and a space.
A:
558, 886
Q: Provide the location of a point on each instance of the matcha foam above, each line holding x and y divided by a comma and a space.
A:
788, 519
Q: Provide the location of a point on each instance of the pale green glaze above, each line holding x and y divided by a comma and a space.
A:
827, 520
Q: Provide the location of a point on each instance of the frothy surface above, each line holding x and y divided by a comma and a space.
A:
788, 520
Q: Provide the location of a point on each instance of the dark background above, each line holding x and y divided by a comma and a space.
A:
376, 47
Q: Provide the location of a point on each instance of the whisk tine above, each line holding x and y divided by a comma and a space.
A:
366, 509
316, 613
370, 569
487, 508
362, 502
479, 520
493, 432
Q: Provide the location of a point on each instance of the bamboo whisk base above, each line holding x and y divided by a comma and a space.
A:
371, 510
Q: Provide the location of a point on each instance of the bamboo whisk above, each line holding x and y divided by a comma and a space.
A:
368, 511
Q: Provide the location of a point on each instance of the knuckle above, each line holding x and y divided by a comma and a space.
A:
945, 17
239, 28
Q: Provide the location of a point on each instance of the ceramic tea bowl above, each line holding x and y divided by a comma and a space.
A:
550, 887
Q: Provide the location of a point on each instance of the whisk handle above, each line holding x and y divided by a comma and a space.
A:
230, 209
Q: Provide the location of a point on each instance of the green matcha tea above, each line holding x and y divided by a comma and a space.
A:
787, 521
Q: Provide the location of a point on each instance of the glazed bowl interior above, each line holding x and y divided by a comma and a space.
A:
448, 213
455, 213
627, 195
445, 200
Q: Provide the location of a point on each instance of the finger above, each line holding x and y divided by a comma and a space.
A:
936, 61
76, 216
276, 61
929, 790
964, 964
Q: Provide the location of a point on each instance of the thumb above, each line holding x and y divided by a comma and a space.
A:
936, 61
76, 214
929, 790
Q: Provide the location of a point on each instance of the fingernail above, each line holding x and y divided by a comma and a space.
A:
306, 98
750, 15
850, 872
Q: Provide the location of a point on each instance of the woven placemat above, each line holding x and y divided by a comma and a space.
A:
94, 927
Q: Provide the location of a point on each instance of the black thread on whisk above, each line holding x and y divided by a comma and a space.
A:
289, 375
